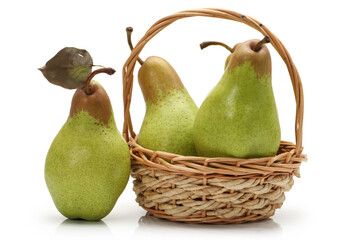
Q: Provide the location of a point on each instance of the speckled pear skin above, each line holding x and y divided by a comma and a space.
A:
88, 164
239, 117
170, 111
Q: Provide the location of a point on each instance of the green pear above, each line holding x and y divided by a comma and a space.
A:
88, 164
239, 117
170, 111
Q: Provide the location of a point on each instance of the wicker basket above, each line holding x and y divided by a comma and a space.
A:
212, 190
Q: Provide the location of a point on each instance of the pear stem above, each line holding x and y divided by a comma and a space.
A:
209, 43
87, 85
129, 30
265, 40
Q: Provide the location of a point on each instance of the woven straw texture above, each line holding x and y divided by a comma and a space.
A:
212, 190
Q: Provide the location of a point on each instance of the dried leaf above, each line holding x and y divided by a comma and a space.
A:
69, 68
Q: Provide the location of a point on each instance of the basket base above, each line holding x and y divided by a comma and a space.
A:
207, 220
179, 198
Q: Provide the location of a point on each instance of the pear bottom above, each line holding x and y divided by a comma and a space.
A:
87, 167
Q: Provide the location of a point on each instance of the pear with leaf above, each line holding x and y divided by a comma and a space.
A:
88, 164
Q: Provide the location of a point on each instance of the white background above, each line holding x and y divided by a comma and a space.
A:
322, 38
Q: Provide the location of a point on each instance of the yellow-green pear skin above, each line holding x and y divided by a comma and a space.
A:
239, 117
88, 164
170, 111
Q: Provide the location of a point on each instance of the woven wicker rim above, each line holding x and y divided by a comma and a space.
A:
129, 65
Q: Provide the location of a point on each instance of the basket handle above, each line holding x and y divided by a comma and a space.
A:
128, 68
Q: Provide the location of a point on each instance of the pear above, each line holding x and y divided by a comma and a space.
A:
170, 110
88, 164
239, 117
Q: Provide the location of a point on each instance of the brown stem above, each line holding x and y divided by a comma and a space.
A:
209, 43
265, 40
129, 30
87, 85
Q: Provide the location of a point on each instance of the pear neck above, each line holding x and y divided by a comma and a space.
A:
246, 79
157, 79
97, 104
